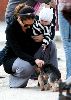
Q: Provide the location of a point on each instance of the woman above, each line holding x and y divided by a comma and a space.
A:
65, 30
19, 60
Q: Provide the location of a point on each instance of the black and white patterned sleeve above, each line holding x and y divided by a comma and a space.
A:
47, 35
37, 28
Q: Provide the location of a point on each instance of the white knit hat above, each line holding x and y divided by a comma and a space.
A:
46, 14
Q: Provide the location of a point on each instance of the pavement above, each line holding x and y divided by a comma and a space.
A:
32, 91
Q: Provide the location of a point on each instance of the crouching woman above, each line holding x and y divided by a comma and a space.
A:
19, 57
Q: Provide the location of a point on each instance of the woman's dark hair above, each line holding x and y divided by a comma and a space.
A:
24, 11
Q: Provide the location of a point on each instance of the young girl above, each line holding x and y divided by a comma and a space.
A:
43, 26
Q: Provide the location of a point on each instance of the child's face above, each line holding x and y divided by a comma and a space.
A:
44, 23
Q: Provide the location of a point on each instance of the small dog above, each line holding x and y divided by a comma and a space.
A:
44, 80
45, 84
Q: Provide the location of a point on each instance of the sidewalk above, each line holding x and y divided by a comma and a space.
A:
31, 92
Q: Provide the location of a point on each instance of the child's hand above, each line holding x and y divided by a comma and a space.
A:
38, 38
44, 46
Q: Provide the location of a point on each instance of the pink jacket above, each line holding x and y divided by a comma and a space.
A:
64, 1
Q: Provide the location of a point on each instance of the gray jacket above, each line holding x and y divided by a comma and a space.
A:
10, 9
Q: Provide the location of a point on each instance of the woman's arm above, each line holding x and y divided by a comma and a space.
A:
14, 44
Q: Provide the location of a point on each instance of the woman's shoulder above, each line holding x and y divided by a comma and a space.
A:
12, 26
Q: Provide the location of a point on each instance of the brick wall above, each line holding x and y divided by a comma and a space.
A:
3, 4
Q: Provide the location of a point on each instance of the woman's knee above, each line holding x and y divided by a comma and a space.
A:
22, 68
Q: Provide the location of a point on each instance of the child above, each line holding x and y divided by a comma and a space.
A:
43, 26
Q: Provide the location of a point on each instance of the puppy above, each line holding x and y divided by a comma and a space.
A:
45, 84
43, 81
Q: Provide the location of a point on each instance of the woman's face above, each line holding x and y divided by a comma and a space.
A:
25, 23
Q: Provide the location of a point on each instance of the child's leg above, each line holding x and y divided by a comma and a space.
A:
49, 55
53, 54
50, 58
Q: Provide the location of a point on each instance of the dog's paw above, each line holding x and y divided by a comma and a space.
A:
47, 86
55, 86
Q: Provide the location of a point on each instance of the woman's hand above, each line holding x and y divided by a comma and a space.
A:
20, 22
39, 63
38, 38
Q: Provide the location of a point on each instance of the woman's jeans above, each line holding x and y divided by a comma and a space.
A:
23, 71
65, 30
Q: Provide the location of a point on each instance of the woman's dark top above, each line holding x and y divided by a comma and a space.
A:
20, 44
